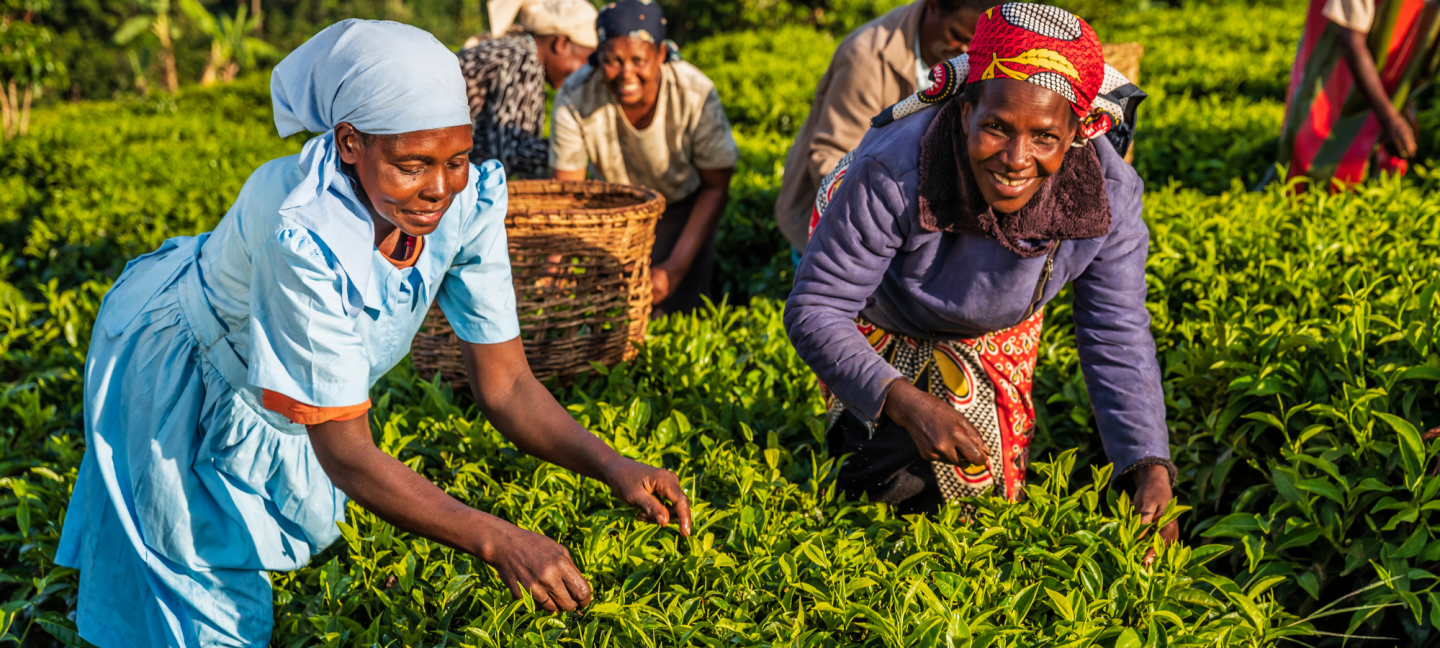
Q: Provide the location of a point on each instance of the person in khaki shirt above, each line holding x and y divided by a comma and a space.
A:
639, 115
882, 62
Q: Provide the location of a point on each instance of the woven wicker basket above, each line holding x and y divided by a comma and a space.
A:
1125, 58
580, 260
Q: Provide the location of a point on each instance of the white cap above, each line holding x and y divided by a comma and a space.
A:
574, 19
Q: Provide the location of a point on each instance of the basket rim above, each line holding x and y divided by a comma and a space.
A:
651, 200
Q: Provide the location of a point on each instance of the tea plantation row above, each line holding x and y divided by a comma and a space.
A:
1297, 337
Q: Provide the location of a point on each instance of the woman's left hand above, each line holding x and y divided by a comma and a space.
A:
663, 278
1152, 496
648, 488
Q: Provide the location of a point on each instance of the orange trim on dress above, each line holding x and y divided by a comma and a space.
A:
304, 414
412, 245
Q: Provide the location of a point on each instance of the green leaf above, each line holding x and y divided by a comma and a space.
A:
1266, 417
1323, 488
132, 28
1060, 604
1421, 372
1022, 602
1205, 553
1264, 585
1412, 545
1128, 639
1412, 449
1285, 479
1254, 551
61, 628
1431, 553
1252, 612
1414, 602
1310, 583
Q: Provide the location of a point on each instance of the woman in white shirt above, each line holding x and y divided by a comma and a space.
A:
637, 114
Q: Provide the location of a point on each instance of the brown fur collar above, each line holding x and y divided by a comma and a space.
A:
1070, 205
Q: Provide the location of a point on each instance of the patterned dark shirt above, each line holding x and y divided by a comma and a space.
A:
506, 87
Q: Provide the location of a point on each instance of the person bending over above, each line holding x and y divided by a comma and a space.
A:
1350, 117
505, 77
639, 115
920, 300
227, 382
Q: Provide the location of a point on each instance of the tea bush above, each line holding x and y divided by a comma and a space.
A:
776, 556
1297, 339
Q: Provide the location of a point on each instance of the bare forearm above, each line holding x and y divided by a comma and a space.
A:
527, 414
391, 490
529, 417
704, 218
1367, 77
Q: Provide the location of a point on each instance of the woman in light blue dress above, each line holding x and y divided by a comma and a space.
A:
227, 383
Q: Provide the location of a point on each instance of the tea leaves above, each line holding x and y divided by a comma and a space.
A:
1297, 338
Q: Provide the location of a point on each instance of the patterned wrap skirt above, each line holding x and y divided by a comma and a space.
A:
988, 380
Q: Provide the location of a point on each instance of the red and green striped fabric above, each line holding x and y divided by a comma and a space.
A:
1330, 132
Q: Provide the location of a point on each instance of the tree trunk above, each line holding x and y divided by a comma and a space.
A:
141, 83
167, 53
212, 65
12, 96
172, 78
25, 110
232, 69
255, 13
7, 113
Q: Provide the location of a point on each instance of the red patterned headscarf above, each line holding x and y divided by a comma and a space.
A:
1044, 45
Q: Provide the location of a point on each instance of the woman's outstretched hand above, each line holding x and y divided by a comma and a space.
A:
530, 562
940, 433
525, 412
400, 496
649, 489
1152, 495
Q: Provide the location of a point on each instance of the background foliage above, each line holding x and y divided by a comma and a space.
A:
1297, 336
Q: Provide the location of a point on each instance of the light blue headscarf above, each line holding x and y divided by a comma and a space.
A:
381, 77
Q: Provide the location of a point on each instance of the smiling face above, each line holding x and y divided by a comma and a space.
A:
410, 179
632, 70
1017, 134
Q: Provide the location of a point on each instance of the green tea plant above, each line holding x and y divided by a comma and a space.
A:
1213, 48
1298, 339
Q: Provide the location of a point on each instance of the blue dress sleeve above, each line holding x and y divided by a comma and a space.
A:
302, 344
477, 295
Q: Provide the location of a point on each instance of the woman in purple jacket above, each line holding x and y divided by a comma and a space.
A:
920, 298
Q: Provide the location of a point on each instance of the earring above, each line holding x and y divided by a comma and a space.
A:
1079, 143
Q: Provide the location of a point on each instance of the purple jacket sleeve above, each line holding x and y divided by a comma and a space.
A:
843, 264
1117, 351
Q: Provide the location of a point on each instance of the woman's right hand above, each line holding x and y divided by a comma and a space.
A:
528, 561
400, 496
940, 433
1399, 134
